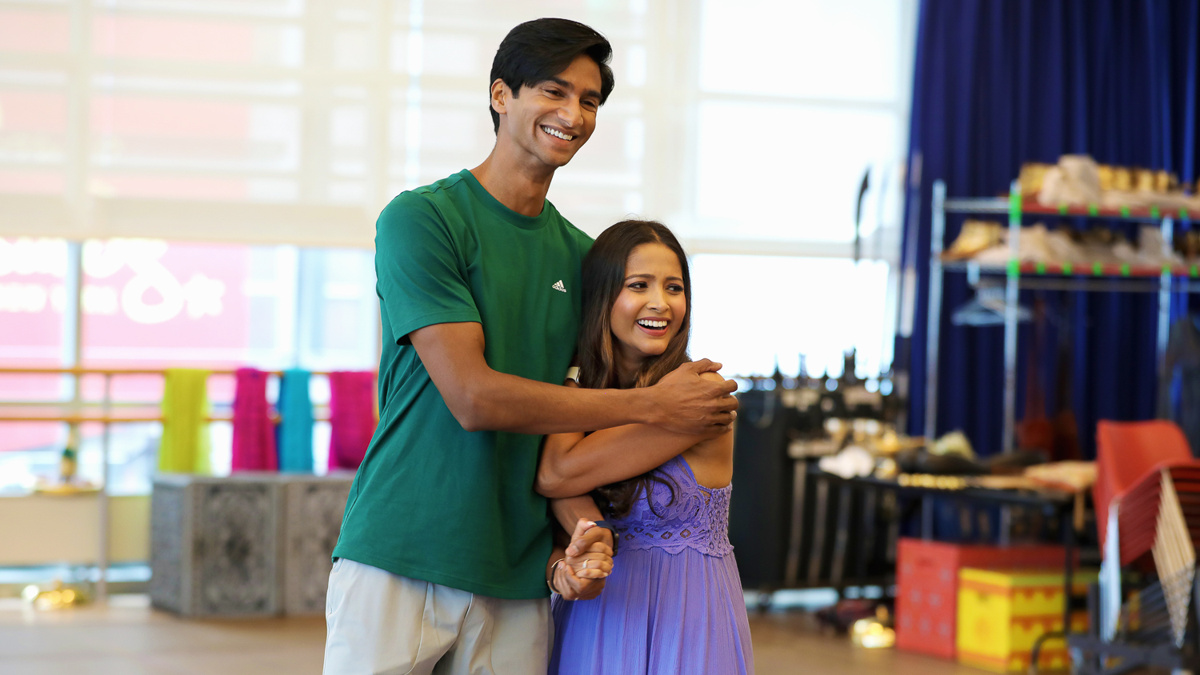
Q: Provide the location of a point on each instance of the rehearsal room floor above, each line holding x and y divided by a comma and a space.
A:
126, 637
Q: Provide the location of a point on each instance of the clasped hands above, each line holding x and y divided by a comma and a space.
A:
588, 562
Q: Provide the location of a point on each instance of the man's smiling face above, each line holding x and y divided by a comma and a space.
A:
552, 119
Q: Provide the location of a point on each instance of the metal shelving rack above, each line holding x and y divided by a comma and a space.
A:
1017, 276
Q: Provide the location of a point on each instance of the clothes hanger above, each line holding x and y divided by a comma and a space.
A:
986, 309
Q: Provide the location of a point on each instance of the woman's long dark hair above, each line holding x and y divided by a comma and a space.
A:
603, 279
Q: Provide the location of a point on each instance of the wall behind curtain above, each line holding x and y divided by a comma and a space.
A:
1001, 82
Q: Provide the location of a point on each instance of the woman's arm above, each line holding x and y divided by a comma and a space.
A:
574, 464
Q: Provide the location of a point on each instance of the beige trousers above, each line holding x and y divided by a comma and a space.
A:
383, 624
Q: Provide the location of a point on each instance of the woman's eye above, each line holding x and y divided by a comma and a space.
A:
675, 288
637, 285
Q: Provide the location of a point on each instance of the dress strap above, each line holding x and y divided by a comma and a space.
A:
678, 469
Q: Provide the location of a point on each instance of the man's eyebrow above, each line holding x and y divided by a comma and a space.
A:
567, 85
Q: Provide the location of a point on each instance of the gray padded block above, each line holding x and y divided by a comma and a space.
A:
312, 508
214, 544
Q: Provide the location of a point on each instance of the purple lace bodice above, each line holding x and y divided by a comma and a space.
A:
698, 518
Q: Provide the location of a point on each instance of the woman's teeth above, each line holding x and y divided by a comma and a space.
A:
650, 323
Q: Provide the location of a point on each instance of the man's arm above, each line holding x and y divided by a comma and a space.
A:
484, 399
574, 464
572, 511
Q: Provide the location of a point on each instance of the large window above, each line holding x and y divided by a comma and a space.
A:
790, 115
756, 313
212, 170
151, 304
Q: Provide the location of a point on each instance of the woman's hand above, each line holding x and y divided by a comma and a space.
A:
588, 562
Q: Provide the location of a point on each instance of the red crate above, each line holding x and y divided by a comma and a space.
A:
927, 586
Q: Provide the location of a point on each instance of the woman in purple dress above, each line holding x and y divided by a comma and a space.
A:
673, 601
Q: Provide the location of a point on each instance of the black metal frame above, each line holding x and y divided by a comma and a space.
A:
1089, 653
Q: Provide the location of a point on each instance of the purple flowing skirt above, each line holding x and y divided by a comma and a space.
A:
673, 603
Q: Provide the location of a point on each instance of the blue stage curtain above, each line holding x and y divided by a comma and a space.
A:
1002, 82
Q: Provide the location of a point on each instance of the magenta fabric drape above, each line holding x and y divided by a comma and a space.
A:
351, 417
253, 430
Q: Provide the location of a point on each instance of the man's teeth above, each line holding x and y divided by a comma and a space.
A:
650, 323
557, 134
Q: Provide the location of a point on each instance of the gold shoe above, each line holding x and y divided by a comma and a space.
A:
975, 236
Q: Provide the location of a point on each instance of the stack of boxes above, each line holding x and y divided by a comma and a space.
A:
935, 616
1002, 614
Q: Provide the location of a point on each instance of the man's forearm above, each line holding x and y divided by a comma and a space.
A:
501, 402
568, 513
569, 510
483, 399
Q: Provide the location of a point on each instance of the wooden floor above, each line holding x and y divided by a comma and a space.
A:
129, 638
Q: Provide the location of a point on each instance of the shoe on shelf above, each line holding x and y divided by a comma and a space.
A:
1031, 177
1187, 245
1123, 179
1033, 244
1032, 247
1123, 252
1062, 247
975, 236
1143, 180
1082, 173
1074, 180
1165, 183
1153, 249
1096, 246
849, 462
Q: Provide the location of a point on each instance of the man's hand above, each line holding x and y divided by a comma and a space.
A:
688, 401
589, 561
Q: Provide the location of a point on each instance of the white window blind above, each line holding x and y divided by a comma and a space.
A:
745, 125
274, 121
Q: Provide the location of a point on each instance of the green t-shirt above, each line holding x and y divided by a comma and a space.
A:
432, 501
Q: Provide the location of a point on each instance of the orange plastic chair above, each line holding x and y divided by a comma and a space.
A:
1126, 452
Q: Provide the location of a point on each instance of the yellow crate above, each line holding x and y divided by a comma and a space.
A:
1002, 613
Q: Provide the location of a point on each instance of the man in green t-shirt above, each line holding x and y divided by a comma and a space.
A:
445, 547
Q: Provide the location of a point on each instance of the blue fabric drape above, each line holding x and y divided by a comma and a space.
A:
1002, 82
295, 430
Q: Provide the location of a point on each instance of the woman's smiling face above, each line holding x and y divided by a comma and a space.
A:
650, 308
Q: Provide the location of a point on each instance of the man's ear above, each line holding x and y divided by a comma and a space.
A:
500, 94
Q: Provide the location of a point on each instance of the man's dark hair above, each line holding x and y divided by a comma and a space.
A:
537, 50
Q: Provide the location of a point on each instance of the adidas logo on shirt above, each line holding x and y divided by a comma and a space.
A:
558, 286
